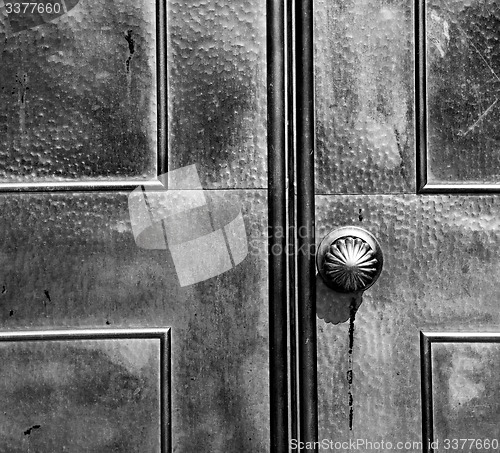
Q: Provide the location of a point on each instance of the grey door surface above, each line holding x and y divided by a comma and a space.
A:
110, 343
410, 152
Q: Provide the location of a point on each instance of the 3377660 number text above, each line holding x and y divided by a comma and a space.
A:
33, 8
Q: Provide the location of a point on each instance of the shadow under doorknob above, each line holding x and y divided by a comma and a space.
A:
349, 259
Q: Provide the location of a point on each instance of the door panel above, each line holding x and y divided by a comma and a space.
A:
465, 389
218, 90
78, 93
364, 82
441, 273
61, 389
462, 83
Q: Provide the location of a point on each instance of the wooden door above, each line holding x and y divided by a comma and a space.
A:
108, 343
407, 148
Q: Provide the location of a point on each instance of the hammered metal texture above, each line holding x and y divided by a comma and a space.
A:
463, 76
364, 96
80, 396
70, 260
466, 389
441, 273
78, 95
218, 90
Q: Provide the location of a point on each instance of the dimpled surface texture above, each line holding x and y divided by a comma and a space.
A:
80, 248
218, 91
463, 42
364, 96
80, 396
466, 390
441, 273
78, 95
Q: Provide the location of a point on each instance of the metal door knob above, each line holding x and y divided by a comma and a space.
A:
349, 259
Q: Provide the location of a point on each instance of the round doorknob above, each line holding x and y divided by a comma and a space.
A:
349, 259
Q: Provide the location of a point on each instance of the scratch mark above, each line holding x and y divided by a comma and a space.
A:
463, 134
472, 44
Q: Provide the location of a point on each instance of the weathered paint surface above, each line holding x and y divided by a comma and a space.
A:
78, 102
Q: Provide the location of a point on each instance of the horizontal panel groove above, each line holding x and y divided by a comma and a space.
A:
79, 186
462, 337
114, 186
468, 188
84, 334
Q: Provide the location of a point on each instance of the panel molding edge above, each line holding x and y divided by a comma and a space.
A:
426, 341
161, 334
421, 145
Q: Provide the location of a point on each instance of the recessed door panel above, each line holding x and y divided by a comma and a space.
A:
74, 391
364, 96
461, 44
71, 261
78, 91
218, 91
464, 392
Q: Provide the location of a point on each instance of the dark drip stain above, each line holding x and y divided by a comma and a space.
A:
360, 215
29, 430
349, 366
131, 48
401, 150
23, 87
47, 296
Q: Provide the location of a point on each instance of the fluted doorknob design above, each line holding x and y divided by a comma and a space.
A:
349, 259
